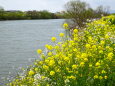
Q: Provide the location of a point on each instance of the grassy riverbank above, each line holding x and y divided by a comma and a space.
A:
84, 60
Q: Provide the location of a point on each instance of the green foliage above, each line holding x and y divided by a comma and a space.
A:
40, 15
18, 15
110, 19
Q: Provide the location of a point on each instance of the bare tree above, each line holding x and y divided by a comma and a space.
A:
101, 11
1, 8
78, 12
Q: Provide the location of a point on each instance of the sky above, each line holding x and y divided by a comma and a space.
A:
50, 5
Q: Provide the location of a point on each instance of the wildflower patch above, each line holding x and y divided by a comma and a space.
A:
83, 60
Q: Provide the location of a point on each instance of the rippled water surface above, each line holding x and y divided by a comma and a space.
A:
19, 40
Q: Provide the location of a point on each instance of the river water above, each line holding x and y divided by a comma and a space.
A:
19, 40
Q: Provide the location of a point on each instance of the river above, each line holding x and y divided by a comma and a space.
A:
19, 40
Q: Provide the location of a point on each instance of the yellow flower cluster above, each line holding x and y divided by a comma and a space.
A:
87, 59
65, 26
53, 39
61, 34
39, 51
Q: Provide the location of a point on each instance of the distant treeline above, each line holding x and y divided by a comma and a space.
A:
19, 15
112, 13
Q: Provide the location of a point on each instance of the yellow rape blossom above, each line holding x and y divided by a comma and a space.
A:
97, 64
51, 62
45, 67
88, 46
61, 34
102, 42
96, 77
66, 26
50, 53
66, 58
82, 64
106, 36
74, 66
53, 39
39, 51
52, 73
100, 77
85, 59
58, 70
94, 47
110, 54
101, 51
36, 69
49, 47
105, 77
43, 77
90, 65
71, 77
84, 55
103, 71
31, 72
75, 31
